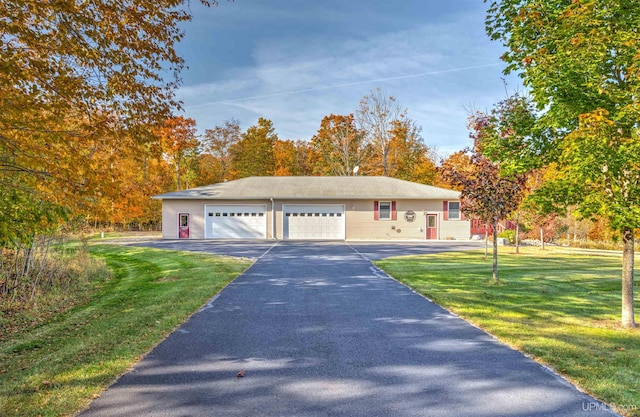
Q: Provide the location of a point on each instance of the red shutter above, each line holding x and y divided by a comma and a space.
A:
376, 210
445, 210
394, 214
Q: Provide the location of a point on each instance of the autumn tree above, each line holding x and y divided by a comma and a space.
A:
579, 59
253, 154
486, 193
304, 157
377, 116
179, 144
409, 157
459, 162
290, 157
339, 146
216, 151
75, 74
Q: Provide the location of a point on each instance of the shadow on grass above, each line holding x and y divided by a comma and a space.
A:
562, 309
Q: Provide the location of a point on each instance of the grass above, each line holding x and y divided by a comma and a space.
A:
58, 366
561, 309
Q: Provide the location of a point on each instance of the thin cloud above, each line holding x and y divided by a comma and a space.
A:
434, 68
342, 85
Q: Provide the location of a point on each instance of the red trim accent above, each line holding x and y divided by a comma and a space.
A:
376, 210
431, 233
183, 231
445, 210
394, 213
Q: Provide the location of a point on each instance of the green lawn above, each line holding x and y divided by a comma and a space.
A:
56, 368
561, 309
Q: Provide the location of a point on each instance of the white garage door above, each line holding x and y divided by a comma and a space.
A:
314, 221
235, 222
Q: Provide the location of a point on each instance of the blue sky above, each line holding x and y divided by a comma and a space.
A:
295, 61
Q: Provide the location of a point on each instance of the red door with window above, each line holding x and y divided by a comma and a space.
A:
432, 226
183, 226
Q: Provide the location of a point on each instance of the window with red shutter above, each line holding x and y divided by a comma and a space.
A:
454, 210
384, 210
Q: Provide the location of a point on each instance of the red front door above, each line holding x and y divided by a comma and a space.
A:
432, 226
183, 226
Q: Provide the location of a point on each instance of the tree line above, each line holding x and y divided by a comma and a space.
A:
378, 139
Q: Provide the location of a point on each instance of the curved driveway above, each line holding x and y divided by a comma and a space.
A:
318, 331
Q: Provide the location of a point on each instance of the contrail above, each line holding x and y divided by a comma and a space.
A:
329, 87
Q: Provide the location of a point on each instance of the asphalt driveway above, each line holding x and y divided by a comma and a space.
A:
256, 248
316, 330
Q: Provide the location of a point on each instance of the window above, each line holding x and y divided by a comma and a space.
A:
454, 210
385, 210
431, 221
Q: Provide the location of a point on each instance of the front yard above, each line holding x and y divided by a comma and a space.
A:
561, 309
58, 366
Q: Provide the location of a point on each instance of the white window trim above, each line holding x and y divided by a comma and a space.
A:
380, 210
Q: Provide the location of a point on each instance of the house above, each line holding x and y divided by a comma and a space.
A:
331, 208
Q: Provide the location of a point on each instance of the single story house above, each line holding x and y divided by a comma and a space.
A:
331, 208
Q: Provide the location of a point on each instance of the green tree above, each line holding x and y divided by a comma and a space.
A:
580, 61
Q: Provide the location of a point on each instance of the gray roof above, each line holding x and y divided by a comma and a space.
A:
303, 188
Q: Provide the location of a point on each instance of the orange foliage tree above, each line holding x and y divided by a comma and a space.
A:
180, 145
339, 146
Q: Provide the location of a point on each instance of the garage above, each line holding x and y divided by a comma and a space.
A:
313, 208
235, 221
306, 221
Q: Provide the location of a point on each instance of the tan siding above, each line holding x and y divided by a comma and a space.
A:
170, 211
455, 229
360, 224
171, 208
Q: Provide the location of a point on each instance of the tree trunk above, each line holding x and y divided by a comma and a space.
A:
385, 161
495, 253
178, 175
486, 241
541, 238
628, 318
517, 235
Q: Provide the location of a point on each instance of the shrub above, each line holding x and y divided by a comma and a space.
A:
29, 272
510, 235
